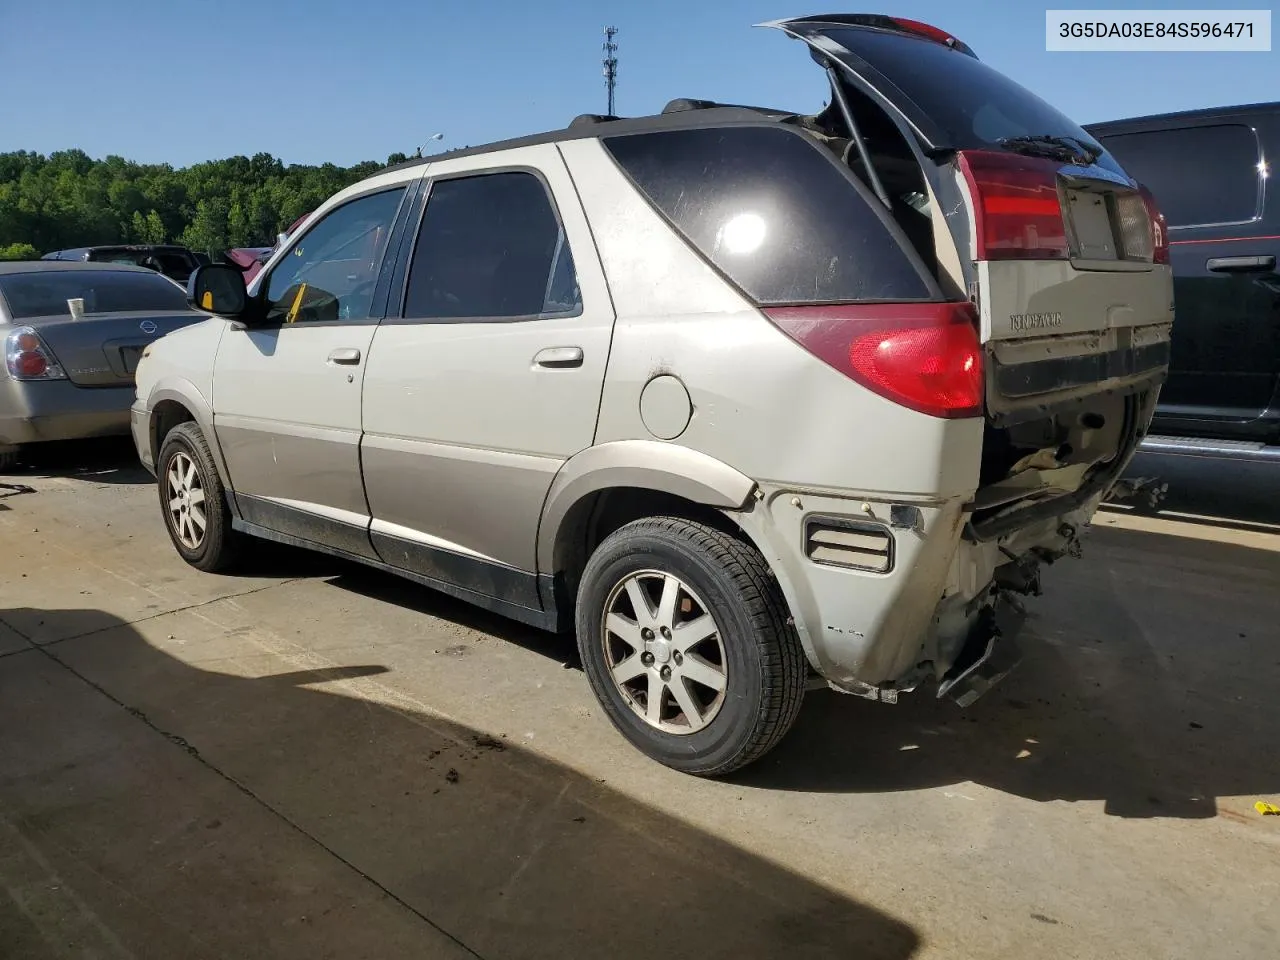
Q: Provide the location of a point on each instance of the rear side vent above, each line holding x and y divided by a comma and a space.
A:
849, 543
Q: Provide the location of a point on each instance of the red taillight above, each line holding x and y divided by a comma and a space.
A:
1019, 214
27, 358
926, 30
1159, 228
30, 364
924, 356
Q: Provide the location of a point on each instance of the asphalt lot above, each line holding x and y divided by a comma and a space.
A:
315, 760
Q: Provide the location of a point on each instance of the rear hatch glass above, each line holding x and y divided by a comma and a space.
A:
954, 100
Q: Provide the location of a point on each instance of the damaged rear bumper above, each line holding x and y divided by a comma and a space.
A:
989, 654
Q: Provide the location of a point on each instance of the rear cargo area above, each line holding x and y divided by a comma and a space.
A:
1075, 317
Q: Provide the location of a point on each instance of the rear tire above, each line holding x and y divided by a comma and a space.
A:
193, 502
721, 695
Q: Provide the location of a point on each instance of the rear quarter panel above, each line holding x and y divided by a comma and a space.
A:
761, 403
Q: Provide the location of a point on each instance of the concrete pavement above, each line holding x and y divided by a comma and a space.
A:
318, 760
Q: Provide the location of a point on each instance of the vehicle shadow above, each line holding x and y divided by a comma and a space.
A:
1135, 689
1149, 676
8, 490
103, 460
387, 588
199, 814
1215, 488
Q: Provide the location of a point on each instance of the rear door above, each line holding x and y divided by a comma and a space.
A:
1209, 176
490, 377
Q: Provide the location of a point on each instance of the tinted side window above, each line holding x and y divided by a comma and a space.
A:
767, 208
1199, 175
331, 271
491, 247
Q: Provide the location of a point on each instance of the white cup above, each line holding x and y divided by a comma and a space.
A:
76, 306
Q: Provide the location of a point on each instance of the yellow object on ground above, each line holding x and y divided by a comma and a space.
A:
1267, 809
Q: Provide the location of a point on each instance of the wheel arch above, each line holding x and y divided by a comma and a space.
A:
179, 402
606, 486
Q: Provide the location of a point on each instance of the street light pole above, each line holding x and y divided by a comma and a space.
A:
434, 136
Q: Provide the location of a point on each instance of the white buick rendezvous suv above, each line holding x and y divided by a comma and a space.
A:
750, 400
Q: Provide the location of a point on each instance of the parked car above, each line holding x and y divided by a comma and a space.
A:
1209, 169
70, 376
707, 387
251, 260
173, 261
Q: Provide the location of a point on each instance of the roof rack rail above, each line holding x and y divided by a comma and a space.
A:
589, 119
683, 104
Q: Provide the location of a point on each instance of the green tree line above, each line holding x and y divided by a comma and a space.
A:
67, 199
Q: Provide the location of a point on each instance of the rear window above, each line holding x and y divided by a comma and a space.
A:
1199, 175
46, 294
973, 104
772, 213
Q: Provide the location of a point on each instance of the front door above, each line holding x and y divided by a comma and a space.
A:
490, 378
286, 392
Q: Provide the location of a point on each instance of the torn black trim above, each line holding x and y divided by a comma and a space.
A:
1066, 373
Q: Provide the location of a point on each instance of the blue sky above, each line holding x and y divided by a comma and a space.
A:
315, 80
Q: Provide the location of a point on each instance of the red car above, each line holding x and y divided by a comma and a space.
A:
252, 259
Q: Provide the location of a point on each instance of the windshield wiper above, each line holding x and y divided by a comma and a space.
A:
1053, 147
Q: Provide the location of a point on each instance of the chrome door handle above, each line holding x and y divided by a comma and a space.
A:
345, 355
1241, 264
558, 358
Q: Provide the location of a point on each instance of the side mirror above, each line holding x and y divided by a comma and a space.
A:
281, 239
218, 288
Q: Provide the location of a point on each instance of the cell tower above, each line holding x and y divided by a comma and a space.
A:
610, 64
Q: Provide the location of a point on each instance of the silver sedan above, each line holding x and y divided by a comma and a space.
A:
72, 334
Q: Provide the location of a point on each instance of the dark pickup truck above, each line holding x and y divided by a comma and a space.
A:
1210, 171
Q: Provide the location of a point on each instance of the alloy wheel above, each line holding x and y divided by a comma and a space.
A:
186, 501
664, 652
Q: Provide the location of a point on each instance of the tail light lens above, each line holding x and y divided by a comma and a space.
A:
1019, 213
1142, 228
924, 356
27, 358
1133, 224
926, 30
1159, 228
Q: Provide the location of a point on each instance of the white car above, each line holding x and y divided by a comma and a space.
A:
750, 400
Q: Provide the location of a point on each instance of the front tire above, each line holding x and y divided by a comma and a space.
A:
686, 641
194, 502
8, 461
